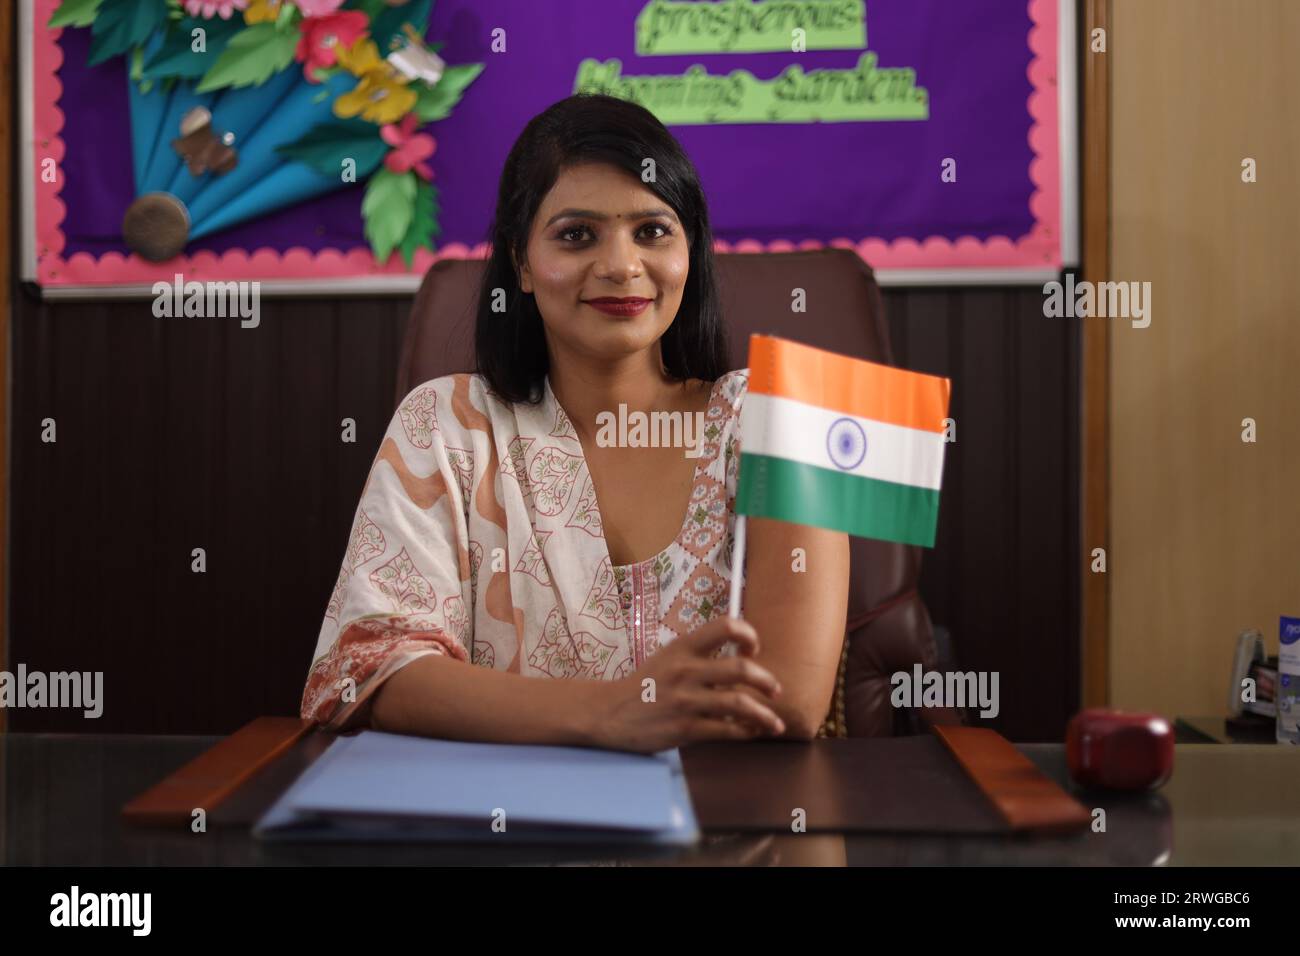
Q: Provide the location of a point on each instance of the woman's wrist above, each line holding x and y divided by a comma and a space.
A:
590, 711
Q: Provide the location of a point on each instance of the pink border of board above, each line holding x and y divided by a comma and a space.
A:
1038, 249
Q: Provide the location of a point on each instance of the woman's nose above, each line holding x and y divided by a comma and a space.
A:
618, 259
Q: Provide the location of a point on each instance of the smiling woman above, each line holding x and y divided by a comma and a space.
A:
502, 539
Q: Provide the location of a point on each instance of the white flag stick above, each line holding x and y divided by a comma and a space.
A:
737, 565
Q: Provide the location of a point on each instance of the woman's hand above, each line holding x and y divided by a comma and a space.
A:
685, 693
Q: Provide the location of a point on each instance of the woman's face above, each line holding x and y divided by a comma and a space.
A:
601, 234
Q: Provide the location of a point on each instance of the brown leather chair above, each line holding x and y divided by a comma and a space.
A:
888, 628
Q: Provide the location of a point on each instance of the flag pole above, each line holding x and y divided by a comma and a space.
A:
737, 565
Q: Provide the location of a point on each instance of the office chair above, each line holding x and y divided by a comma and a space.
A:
888, 627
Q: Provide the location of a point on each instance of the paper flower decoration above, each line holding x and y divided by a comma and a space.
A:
410, 149
238, 130
379, 97
214, 8
323, 37
263, 11
415, 60
318, 8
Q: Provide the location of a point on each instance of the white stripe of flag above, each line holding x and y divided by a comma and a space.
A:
784, 428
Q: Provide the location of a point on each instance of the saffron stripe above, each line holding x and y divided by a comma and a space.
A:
847, 385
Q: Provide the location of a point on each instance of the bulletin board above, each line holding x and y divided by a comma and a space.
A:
937, 139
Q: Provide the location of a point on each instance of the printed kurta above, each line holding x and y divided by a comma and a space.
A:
478, 536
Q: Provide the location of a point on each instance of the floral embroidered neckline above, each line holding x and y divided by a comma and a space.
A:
564, 427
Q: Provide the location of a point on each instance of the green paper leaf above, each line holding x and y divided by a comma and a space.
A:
389, 24
288, 17
424, 222
326, 145
120, 25
252, 57
176, 56
388, 209
436, 102
137, 71
75, 13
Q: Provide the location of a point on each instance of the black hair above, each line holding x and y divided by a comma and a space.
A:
510, 347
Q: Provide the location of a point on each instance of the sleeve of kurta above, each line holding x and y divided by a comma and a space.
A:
404, 590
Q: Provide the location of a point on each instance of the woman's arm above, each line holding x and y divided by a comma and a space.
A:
684, 693
439, 696
798, 603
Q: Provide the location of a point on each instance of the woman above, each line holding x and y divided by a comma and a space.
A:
500, 526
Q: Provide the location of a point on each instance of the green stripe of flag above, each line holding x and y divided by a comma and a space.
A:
805, 494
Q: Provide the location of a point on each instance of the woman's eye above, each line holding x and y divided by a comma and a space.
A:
663, 232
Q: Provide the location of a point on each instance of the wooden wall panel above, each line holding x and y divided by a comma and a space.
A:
999, 576
8, 260
176, 434
1205, 528
1094, 412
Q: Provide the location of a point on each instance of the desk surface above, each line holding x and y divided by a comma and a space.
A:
1232, 804
1249, 729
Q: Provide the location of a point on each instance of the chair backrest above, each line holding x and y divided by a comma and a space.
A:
888, 628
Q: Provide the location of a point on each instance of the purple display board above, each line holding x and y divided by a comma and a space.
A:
928, 142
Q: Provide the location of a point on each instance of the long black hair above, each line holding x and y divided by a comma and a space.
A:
510, 346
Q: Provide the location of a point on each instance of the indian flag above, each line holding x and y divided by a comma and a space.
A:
837, 442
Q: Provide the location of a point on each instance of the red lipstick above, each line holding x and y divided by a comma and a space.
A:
631, 305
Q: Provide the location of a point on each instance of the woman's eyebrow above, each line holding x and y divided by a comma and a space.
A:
593, 214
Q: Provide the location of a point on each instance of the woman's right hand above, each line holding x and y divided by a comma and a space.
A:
685, 693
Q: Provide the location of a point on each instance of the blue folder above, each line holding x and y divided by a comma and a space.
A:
377, 786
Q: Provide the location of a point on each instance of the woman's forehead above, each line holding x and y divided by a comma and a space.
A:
603, 189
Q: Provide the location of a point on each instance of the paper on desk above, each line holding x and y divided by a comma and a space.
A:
375, 785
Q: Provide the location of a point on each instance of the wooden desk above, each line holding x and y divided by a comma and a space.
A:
1226, 805
1220, 730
